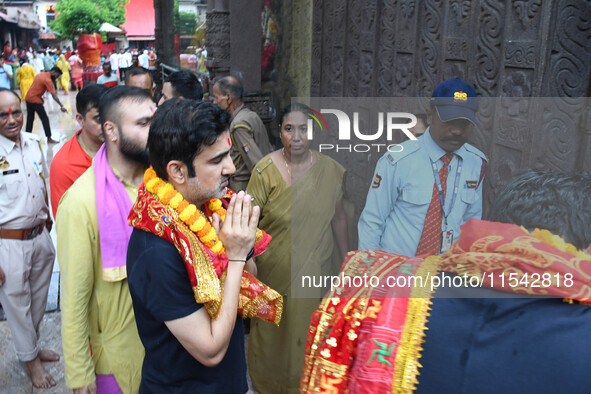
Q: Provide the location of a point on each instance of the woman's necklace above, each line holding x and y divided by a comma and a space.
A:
285, 161
287, 166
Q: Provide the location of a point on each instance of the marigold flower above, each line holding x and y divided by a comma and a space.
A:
187, 212
211, 235
176, 200
168, 196
193, 218
182, 206
164, 189
158, 185
149, 175
217, 248
214, 205
204, 231
150, 184
200, 223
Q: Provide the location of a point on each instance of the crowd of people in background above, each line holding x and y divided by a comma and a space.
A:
162, 252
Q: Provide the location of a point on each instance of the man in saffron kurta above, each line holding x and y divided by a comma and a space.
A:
75, 156
92, 243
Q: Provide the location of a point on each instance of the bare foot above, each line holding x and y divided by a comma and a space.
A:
48, 355
39, 376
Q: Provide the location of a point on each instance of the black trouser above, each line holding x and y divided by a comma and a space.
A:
122, 72
31, 109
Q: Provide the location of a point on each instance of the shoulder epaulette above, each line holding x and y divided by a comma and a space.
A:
408, 148
32, 136
242, 126
263, 164
476, 151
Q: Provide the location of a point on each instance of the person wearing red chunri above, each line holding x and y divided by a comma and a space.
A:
506, 309
189, 260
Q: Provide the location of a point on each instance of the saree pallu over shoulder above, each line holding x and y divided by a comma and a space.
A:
255, 300
367, 337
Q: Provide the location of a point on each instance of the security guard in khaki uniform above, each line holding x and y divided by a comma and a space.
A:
26, 250
250, 142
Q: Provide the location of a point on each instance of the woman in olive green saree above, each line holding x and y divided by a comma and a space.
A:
300, 194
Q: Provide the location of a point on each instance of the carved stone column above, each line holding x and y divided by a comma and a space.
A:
234, 47
218, 42
164, 35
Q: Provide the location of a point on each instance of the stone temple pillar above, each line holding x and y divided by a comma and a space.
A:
234, 46
246, 43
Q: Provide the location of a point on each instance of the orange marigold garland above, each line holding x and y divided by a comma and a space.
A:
188, 213
205, 260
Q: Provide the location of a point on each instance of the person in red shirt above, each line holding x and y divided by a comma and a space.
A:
42, 83
76, 155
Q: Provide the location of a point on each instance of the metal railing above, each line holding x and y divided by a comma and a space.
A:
167, 70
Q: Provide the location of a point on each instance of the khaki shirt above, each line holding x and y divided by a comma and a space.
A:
23, 191
250, 142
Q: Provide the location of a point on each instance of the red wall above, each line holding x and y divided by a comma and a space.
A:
140, 18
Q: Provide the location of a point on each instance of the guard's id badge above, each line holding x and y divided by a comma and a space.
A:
447, 238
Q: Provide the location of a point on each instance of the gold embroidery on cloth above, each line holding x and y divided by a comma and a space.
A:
410, 346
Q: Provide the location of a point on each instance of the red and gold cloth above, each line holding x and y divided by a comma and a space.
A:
205, 268
368, 339
507, 257
89, 48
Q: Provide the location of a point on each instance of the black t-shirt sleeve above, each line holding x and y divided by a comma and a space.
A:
159, 280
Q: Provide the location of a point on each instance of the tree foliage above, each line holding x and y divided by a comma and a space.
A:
112, 11
74, 17
185, 22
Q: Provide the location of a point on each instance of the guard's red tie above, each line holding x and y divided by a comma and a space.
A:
431, 237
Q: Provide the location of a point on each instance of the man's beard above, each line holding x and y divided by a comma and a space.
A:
201, 195
132, 151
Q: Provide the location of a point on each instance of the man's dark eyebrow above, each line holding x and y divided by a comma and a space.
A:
6, 113
219, 156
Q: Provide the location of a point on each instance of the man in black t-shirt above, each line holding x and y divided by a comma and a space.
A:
187, 351
161, 292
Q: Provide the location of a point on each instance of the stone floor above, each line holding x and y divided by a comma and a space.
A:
13, 375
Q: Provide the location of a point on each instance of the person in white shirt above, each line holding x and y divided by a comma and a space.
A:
108, 78
114, 60
37, 63
124, 62
144, 59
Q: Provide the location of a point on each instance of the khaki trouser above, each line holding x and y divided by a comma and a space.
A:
28, 266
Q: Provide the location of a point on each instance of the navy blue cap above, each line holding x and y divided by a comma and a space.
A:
455, 99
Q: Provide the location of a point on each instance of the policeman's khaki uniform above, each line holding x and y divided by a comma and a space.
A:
28, 261
250, 143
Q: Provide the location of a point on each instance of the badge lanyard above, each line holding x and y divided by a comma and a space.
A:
440, 188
